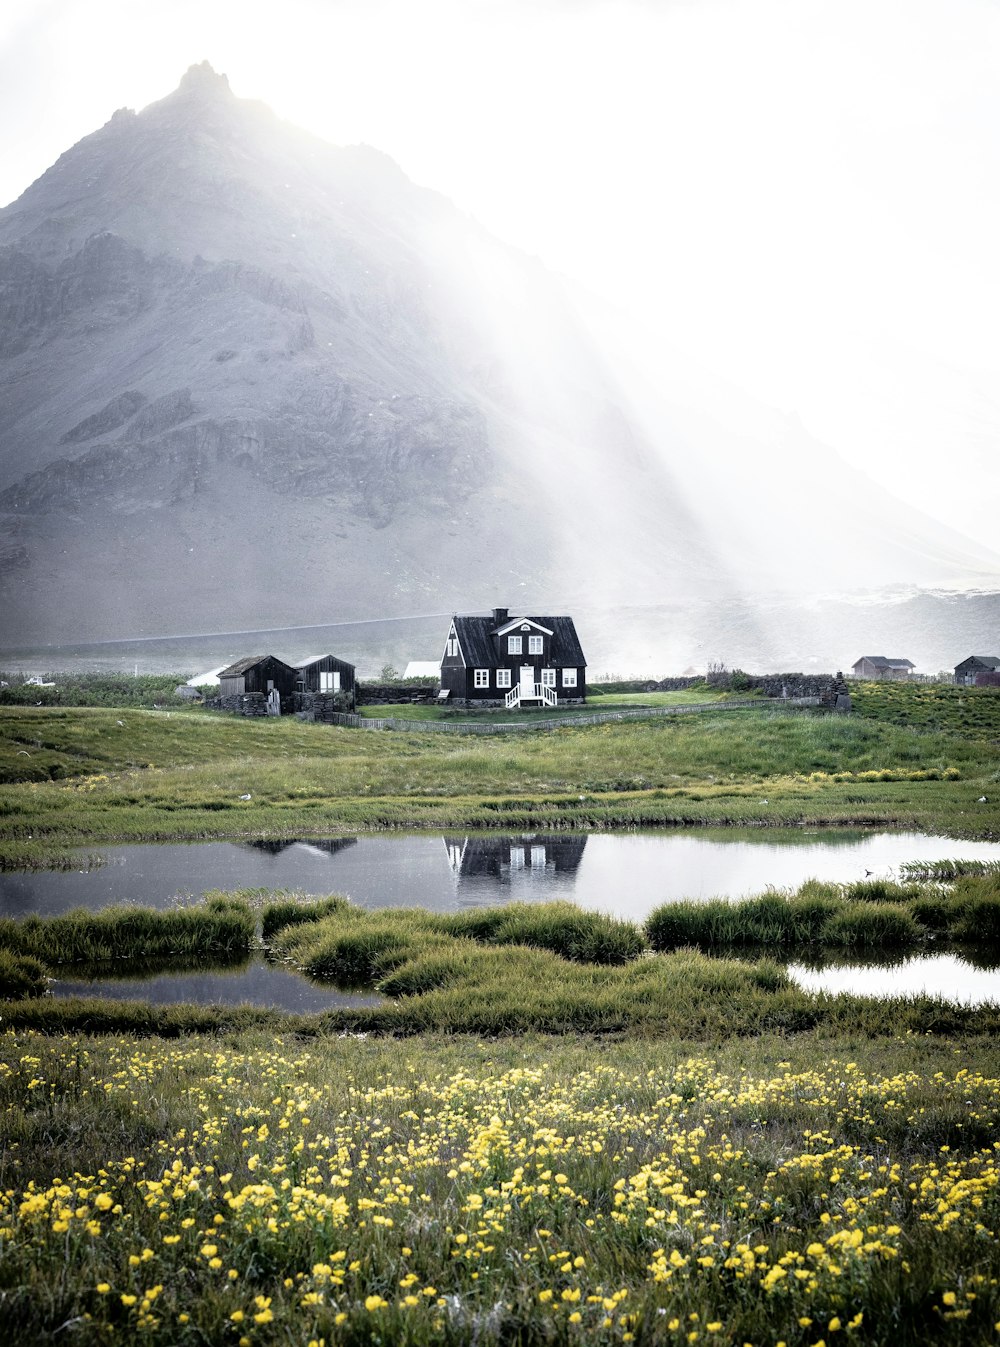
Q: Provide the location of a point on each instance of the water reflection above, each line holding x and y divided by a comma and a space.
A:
626, 874
254, 983
320, 846
490, 869
946, 975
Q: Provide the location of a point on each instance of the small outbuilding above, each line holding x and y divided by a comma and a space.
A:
877, 666
256, 685
969, 670
325, 675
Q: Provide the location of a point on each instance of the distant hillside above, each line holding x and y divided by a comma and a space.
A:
251, 379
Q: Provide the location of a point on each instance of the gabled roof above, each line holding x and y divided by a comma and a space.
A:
514, 623
476, 633
881, 662
315, 659
241, 666
991, 661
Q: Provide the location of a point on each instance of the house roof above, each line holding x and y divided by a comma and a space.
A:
476, 633
315, 659
241, 666
881, 662
991, 661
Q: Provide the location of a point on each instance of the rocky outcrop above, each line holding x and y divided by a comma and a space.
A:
112, 415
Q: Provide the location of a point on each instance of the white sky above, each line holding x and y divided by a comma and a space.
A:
804, 195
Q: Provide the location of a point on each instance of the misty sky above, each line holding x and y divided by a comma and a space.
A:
802, 196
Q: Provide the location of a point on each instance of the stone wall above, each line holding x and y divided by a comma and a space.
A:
249, 704
736, 681
321, 706
402, 694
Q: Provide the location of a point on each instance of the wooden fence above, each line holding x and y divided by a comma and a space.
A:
356, 722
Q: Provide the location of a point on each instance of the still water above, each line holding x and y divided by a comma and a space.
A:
952, 978
254, 984
626, 874
623, 874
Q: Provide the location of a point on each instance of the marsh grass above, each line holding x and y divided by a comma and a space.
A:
778, 919
445, 981
221, 927
21, 976
868, 915
946, 870
287, 912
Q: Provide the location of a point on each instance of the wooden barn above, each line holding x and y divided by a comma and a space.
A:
327, 675
877, 666
257, 675
969, 670
513, 661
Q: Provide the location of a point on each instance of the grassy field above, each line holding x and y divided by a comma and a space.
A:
697, 1151
597, 702
262, 1190
85, 776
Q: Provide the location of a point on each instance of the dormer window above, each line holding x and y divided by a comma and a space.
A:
534, 645
514, 645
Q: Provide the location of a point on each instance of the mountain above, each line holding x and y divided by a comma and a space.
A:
251, 379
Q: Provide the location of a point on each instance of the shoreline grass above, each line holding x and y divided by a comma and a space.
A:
221, 927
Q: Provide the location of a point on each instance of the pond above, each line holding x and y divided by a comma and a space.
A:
626, 874
255, 983
949, 976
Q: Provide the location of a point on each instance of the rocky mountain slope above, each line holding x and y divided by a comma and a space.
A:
251, 379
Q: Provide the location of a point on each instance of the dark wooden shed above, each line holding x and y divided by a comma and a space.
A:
326, 674
969, 669
257, 673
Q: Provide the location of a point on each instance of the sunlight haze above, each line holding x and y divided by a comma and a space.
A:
801, 197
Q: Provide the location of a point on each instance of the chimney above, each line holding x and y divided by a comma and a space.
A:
499, 616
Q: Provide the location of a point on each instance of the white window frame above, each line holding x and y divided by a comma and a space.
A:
329, 680
503, 678
548, 678
452, 645
536, 645
513, 645
569, 678
481, 678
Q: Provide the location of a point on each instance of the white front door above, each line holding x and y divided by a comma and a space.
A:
527, 682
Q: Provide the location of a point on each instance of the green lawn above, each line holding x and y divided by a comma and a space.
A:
596, 702
82, 776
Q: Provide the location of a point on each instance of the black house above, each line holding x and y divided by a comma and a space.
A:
257, 674
970, 668
513, 661
327, 675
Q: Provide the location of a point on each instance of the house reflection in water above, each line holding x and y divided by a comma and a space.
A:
329, 845
514, 866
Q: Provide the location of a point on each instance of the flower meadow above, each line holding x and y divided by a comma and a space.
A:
355, 1190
